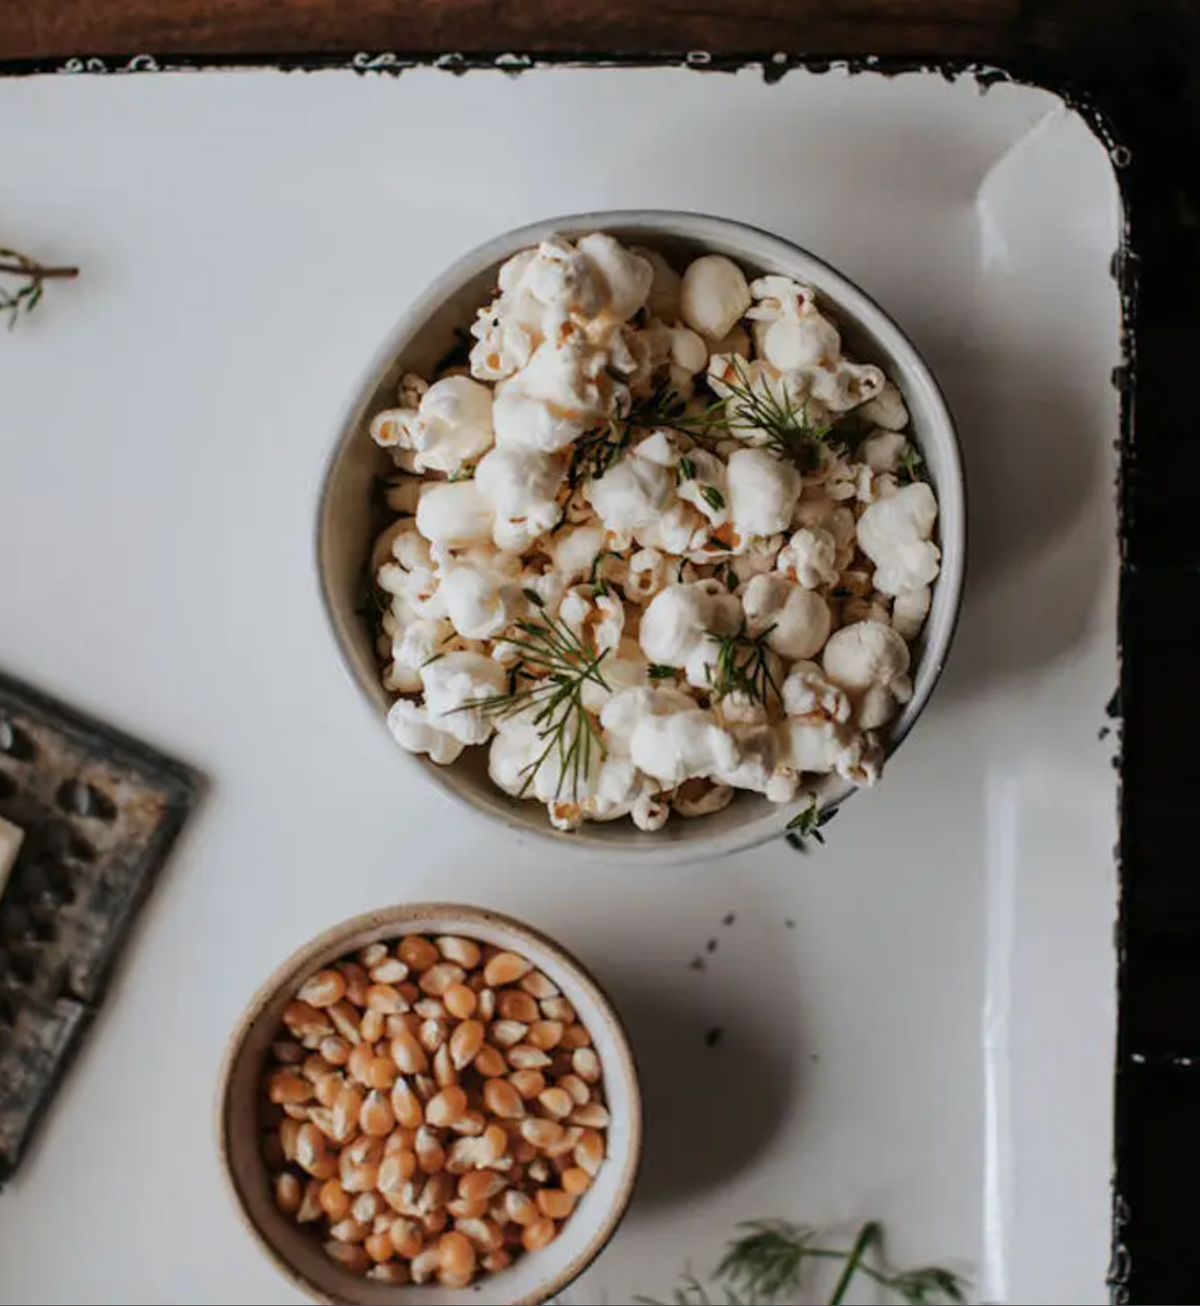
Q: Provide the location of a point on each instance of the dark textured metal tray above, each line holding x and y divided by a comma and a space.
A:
100, 813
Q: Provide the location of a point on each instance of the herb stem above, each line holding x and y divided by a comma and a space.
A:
868, 1235
37, 271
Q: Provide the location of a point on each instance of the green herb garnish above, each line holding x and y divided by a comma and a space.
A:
742, 666
789, 434
658, 672
910, 465
807, 825
32, 276
775, 1260
596, 451
557, 665
713, 497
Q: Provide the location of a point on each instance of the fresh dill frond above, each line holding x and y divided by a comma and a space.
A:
769, 1261
556, 666
928, 1284
32, 277
658, 672
743, 666
806, 825
775, 1259
596, 451
666, 408
788, 433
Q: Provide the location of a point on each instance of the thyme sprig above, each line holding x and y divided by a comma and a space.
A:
806, 825
557, 665
743, 666
774, 1259
32, 277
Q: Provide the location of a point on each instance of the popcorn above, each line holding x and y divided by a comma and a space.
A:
806, 693
792, 334
451, 427
762, 492
414, 643
847, 385
665, 286
644, 576
626, 277
676, 746
713, 296
596, 619
480, 604
413, 729
706, 798
870, 660
895, 534
886, 409
520, 485
562, 277
409, 572
797, 621
568, 373
633, 493
810, 557
455, 514
454, 682
758, 768
521, 420
909, 612
883, 450
684, 617
673, 575
704, 488
818, 748
620, 715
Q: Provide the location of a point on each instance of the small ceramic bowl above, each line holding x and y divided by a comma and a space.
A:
296, 1249
426, 334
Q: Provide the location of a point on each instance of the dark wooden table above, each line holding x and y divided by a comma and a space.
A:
40, 29
1137, 60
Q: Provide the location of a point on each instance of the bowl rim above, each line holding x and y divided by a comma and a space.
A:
846, 296
303, 958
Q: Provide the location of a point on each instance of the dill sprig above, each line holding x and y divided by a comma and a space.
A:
558, 665
596, 451
32, 276
790, 436
743, 666
775, 1259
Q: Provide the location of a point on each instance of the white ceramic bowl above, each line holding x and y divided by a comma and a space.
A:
426, 333
534, 1277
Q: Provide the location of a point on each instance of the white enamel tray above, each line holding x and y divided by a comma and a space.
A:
918, 1020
